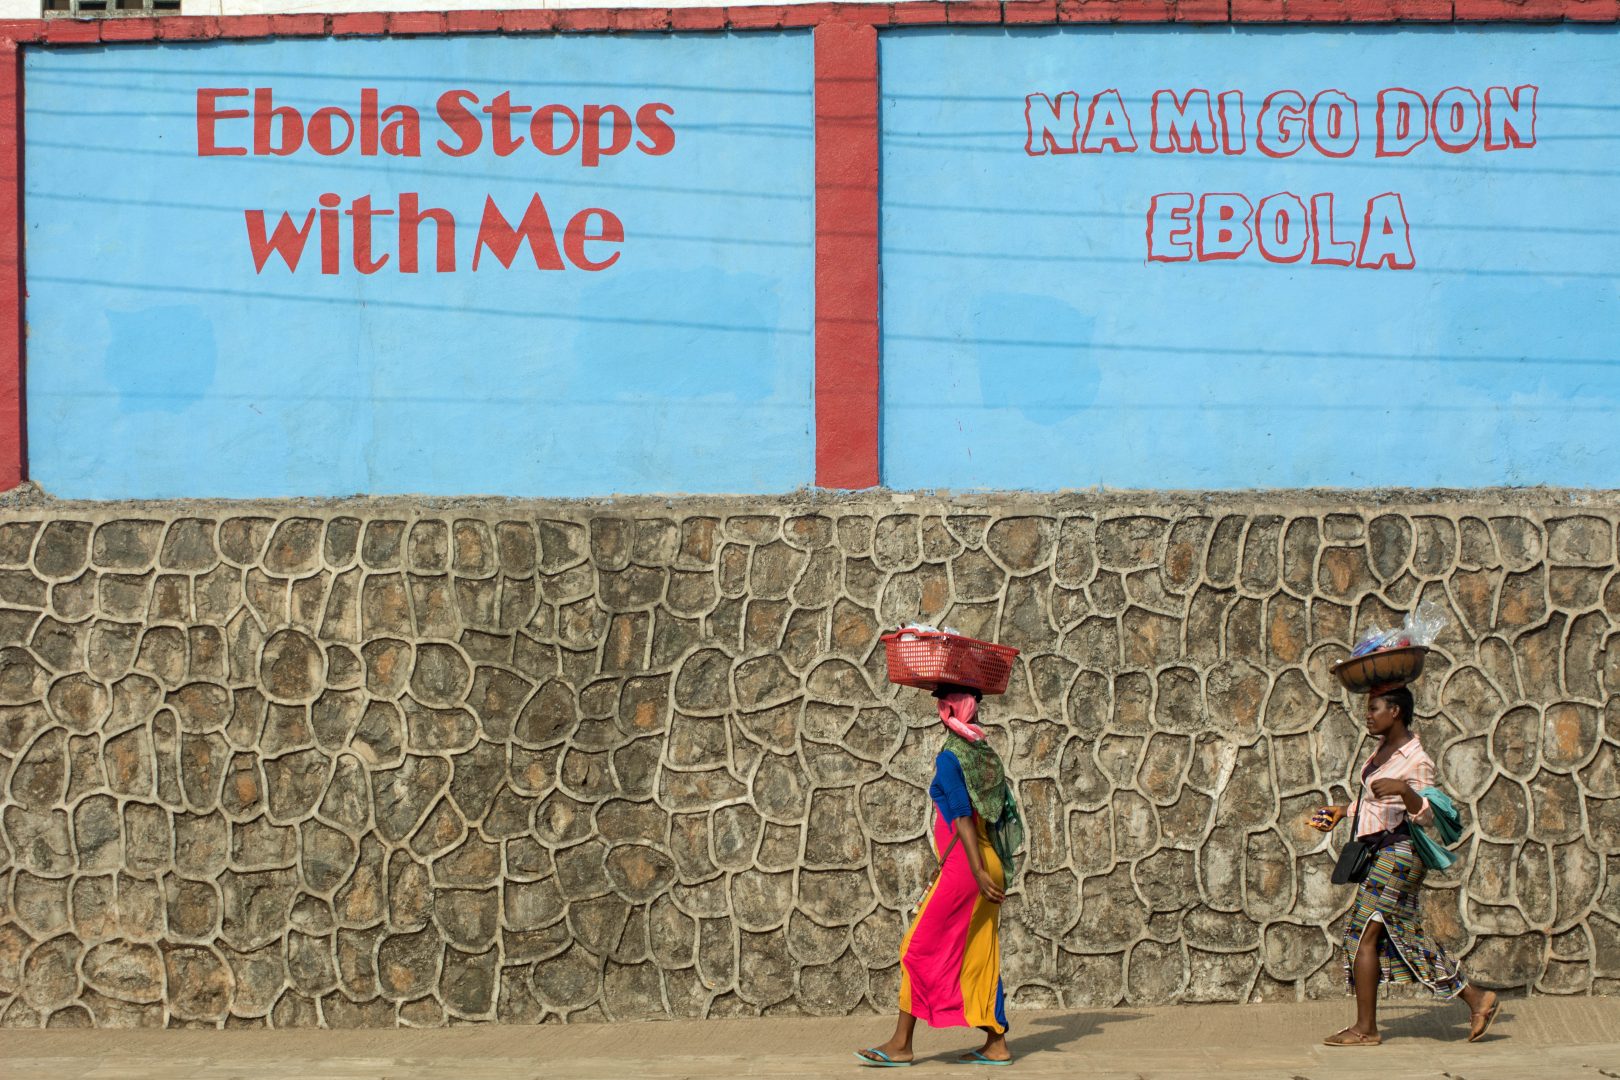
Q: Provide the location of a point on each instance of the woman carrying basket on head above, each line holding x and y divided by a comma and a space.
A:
1385, 941
950, 958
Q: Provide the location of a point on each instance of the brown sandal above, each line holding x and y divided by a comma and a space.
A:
1481, 1021
1352, 1037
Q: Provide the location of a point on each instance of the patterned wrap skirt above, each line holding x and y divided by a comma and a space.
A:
1406, 953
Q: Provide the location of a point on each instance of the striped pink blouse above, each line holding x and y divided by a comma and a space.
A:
1409, 763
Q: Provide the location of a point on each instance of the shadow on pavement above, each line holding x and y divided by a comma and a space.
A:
1043, 1033
1442, 1022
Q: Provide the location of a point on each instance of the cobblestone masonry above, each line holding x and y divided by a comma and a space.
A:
392, 763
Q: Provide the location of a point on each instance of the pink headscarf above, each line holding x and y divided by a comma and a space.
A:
957, 711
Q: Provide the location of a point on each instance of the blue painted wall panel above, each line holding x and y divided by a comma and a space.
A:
1029, 343
161, 364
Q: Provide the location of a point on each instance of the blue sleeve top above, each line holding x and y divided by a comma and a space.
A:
949, 789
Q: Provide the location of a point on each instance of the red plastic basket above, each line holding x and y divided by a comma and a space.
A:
926, 659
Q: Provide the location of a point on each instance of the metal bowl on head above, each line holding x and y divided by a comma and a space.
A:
1386, 667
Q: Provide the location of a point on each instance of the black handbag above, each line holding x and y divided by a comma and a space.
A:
1355, 858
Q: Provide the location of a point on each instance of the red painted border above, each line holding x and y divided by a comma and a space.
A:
846, 140
13, 424
60, 31
847, 350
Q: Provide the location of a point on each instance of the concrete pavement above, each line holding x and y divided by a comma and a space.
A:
1536, 1039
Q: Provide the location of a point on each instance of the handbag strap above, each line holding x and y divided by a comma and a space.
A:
938, 870
1361, 786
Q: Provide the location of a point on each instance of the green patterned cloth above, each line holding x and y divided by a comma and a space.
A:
1447, 829
985, 776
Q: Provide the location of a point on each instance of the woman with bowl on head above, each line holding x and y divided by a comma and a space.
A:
1385, 941
950, 958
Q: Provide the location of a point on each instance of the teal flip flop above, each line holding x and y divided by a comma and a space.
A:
978, 1058
882, 1061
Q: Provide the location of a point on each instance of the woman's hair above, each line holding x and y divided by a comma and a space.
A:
1401, 698
951, 688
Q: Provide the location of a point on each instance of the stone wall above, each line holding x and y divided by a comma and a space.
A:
405, 763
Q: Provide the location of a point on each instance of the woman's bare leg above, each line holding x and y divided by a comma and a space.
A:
898, 1048
995, 1046
1482, 1010
1367, 978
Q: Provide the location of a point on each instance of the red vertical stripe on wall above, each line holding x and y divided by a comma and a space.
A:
13, 464
846, 255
